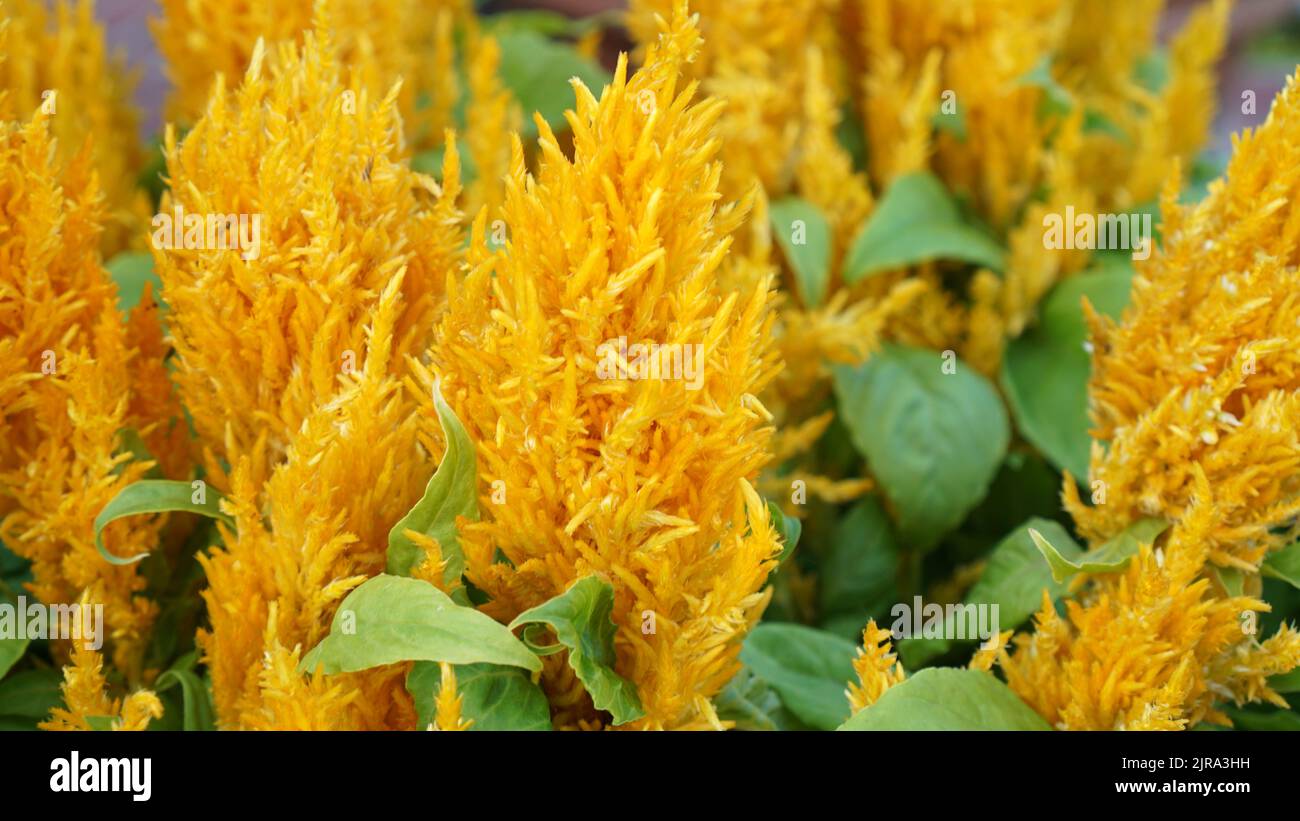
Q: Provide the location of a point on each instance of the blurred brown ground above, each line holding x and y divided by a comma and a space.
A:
125, 22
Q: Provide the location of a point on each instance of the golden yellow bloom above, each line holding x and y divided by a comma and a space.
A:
987, 655
290, 366
1195, 392
75, 377
491, 116
644, 482
877, 667
313, 165
203, 39
748, 59
84, 695
447, 716
61, 66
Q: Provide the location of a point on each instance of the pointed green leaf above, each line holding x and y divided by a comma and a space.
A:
788, 526
932, 435
197, 701
1045, 371
580, 617
101, 724
808, 668
943, 698
155, 496
28, 696
537, 71
392, 618
917, 221
805, 237
131, 270
1284, 565
450, 493
1111, 557
750, 704
493, 696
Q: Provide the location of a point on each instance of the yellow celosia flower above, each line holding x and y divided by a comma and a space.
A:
491, 116
643, 482
288, 363
877, 667
747, 59
315, 167
84, 696
61, 66
1196, 392
447, 715
987, 655
75, 377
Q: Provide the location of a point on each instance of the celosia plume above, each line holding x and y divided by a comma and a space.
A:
288, 366
310, 159
60, 64
1196, 393
76, 379
645, 483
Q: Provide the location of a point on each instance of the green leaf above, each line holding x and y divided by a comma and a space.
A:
1262, 720
537, 71
11, 652
494, 696
580, 617
101, 724
1152, 70
1286, 682
917, 221
859, 573
788, 526
31, 693
389, 619
155, 496
197, 701
1015, 577
1111, 557
11, 649
1045, 371
934, 440
1013, 581
131, 270
943, 698
808, 668
805, 237
1284, 565
750, 704
450, 493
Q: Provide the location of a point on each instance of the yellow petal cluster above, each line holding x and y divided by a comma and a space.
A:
1196, 392
264, 338
75, 378
877, 667
56, 60
203, 39
643, 482
85, 695
447, 715
289, 363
